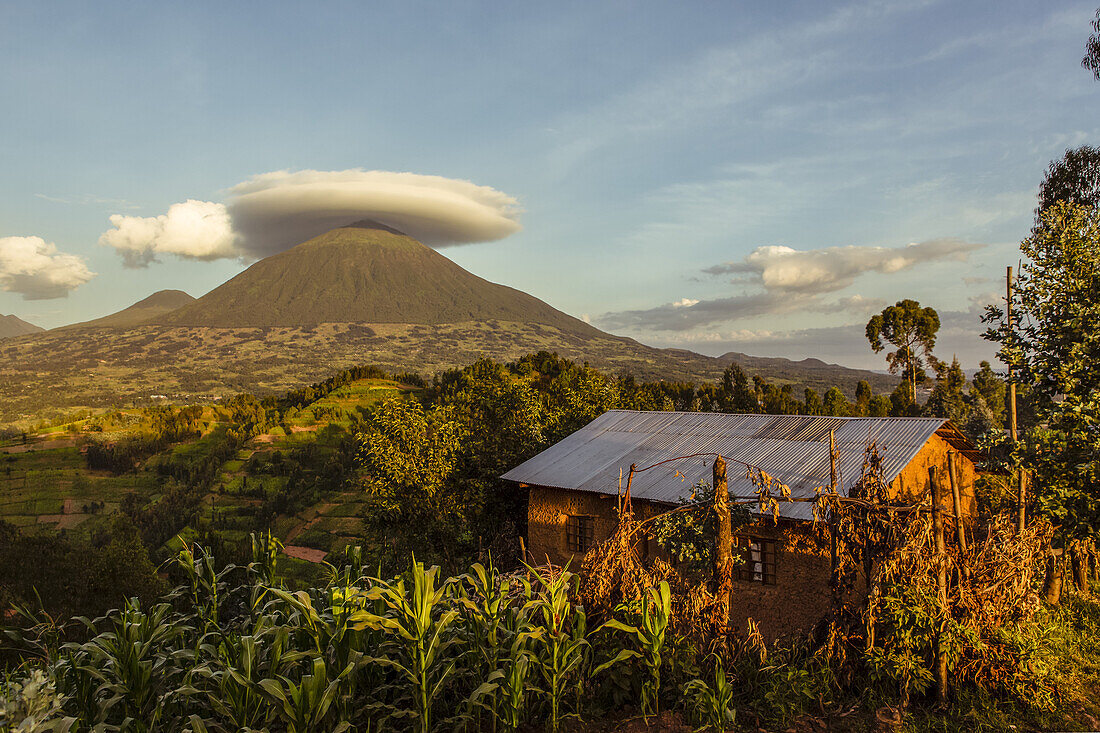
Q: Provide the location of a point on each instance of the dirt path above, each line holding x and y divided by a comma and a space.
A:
41, 445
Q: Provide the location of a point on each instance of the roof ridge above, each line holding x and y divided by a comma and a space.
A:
922, 418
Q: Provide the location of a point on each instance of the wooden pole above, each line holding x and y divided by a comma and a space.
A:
1021, 488
724, 544
956, 501
1011, 381
956, 498
940, 670
834, 565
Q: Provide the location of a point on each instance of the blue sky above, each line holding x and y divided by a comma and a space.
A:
645, 143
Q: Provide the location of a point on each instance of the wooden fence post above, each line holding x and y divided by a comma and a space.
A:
956, 499
724, 542
940, 670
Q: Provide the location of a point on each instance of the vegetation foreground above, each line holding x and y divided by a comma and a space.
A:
234, 649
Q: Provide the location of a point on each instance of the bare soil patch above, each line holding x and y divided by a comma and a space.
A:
304, 553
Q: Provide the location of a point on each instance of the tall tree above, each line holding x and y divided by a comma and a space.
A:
947, 398
912, 331
836, 404
1055, 349
1092, 49
863, 397
1075, 178
734, 393
991, 389
879, 406
812, 401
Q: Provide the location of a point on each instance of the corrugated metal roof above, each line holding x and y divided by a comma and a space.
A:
792, 448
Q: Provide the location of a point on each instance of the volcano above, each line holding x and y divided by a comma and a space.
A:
364, 273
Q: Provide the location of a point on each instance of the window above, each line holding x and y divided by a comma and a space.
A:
758, 557
580, 533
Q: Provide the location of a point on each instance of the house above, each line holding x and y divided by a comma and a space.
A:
784, 583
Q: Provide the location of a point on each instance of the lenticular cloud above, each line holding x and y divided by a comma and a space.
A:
274, 211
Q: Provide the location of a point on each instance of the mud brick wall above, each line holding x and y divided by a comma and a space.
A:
801, 595
548, 512
912, 483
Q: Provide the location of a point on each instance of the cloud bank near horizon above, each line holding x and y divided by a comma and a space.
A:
272, 212
35, 269
959, 335
787, 280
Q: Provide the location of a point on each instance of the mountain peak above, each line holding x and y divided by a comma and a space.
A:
146, 309
372, 224
367, 272
15, 326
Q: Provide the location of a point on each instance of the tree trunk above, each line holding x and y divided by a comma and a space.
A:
1080, 562
1052, 582
724, 542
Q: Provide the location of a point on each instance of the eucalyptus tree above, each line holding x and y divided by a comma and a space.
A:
912, 330
1091, 61
1074, 179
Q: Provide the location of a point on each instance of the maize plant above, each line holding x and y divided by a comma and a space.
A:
234, 675
712, 703
483, 598
560, 650
331, 626
417, 625
303, 706
650, 638
265, 556
351, 573
142, 669
511, 680
206, 583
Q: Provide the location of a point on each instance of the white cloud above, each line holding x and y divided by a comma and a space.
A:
34, 268
198, 230
272, 212
979, 301
783, 269
790, 281
853, 305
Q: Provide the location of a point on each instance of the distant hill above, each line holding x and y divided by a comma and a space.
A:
364, 273
156, 305
812, 371
15, 326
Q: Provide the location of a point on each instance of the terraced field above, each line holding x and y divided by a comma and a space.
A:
46, 485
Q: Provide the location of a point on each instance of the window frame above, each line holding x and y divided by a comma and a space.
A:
768, 565
580, 533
